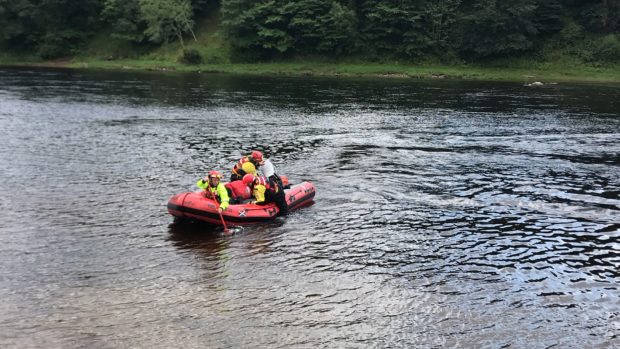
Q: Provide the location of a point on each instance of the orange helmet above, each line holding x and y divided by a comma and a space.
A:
248, 179
215, 174
257, 156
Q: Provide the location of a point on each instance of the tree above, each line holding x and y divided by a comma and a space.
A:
320, 26
440, 16
124, 16
52, 28
548, 16
392, 27
259, 27
602, 16
202, 7
494, 28
167, 19
14, 17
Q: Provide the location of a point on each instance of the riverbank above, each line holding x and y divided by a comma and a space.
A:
544, 72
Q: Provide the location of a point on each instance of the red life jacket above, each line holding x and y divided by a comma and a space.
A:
239, 190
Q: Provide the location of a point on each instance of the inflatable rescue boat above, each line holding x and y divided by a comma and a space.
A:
195, 205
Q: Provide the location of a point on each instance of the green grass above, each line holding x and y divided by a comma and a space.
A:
545, 72
216, 59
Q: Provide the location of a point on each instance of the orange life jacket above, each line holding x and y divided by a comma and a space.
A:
238, 168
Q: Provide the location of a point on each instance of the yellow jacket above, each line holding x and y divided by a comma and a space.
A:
244, 166
219, 192
259, 194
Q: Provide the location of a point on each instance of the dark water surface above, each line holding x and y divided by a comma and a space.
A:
448, 214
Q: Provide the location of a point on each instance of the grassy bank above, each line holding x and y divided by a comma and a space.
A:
538, 72
522, 72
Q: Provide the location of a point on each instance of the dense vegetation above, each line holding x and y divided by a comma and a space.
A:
447, 31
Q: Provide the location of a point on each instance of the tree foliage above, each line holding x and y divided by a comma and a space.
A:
390, 27
601, 16
279, 26
125, 20
378, 29
258, 26
548, 16
14, 29
497, 28
439, 16
320, 26
50, 27
167, 19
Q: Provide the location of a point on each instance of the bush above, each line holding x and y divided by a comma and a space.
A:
190, 56
57, 44
571, 33
217, 56
607, 49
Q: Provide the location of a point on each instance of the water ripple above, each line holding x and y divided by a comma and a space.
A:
448, 214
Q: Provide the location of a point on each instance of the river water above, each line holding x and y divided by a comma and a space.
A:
447, 213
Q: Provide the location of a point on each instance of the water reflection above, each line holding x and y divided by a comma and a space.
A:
197, 236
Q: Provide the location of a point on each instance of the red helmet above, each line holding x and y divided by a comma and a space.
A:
215, 174
248, 179
257, 156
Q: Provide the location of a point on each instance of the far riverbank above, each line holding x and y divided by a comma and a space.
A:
542, 72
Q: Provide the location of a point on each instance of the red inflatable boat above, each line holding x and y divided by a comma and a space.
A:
195, 205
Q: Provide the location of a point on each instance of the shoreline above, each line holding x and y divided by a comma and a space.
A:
545, 73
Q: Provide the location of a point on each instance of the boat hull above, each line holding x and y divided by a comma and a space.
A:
194, 205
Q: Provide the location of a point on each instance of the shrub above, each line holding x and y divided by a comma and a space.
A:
58, 44
190, 56
607, 49
216, 55
571, 33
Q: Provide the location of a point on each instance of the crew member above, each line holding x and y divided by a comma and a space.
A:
214, 189
264, 192
247, 165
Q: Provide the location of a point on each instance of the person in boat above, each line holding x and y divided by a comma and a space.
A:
238, 192
265, 192
269, 171
215, 189
247, 165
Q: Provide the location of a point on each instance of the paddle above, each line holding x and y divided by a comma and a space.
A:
217, 207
